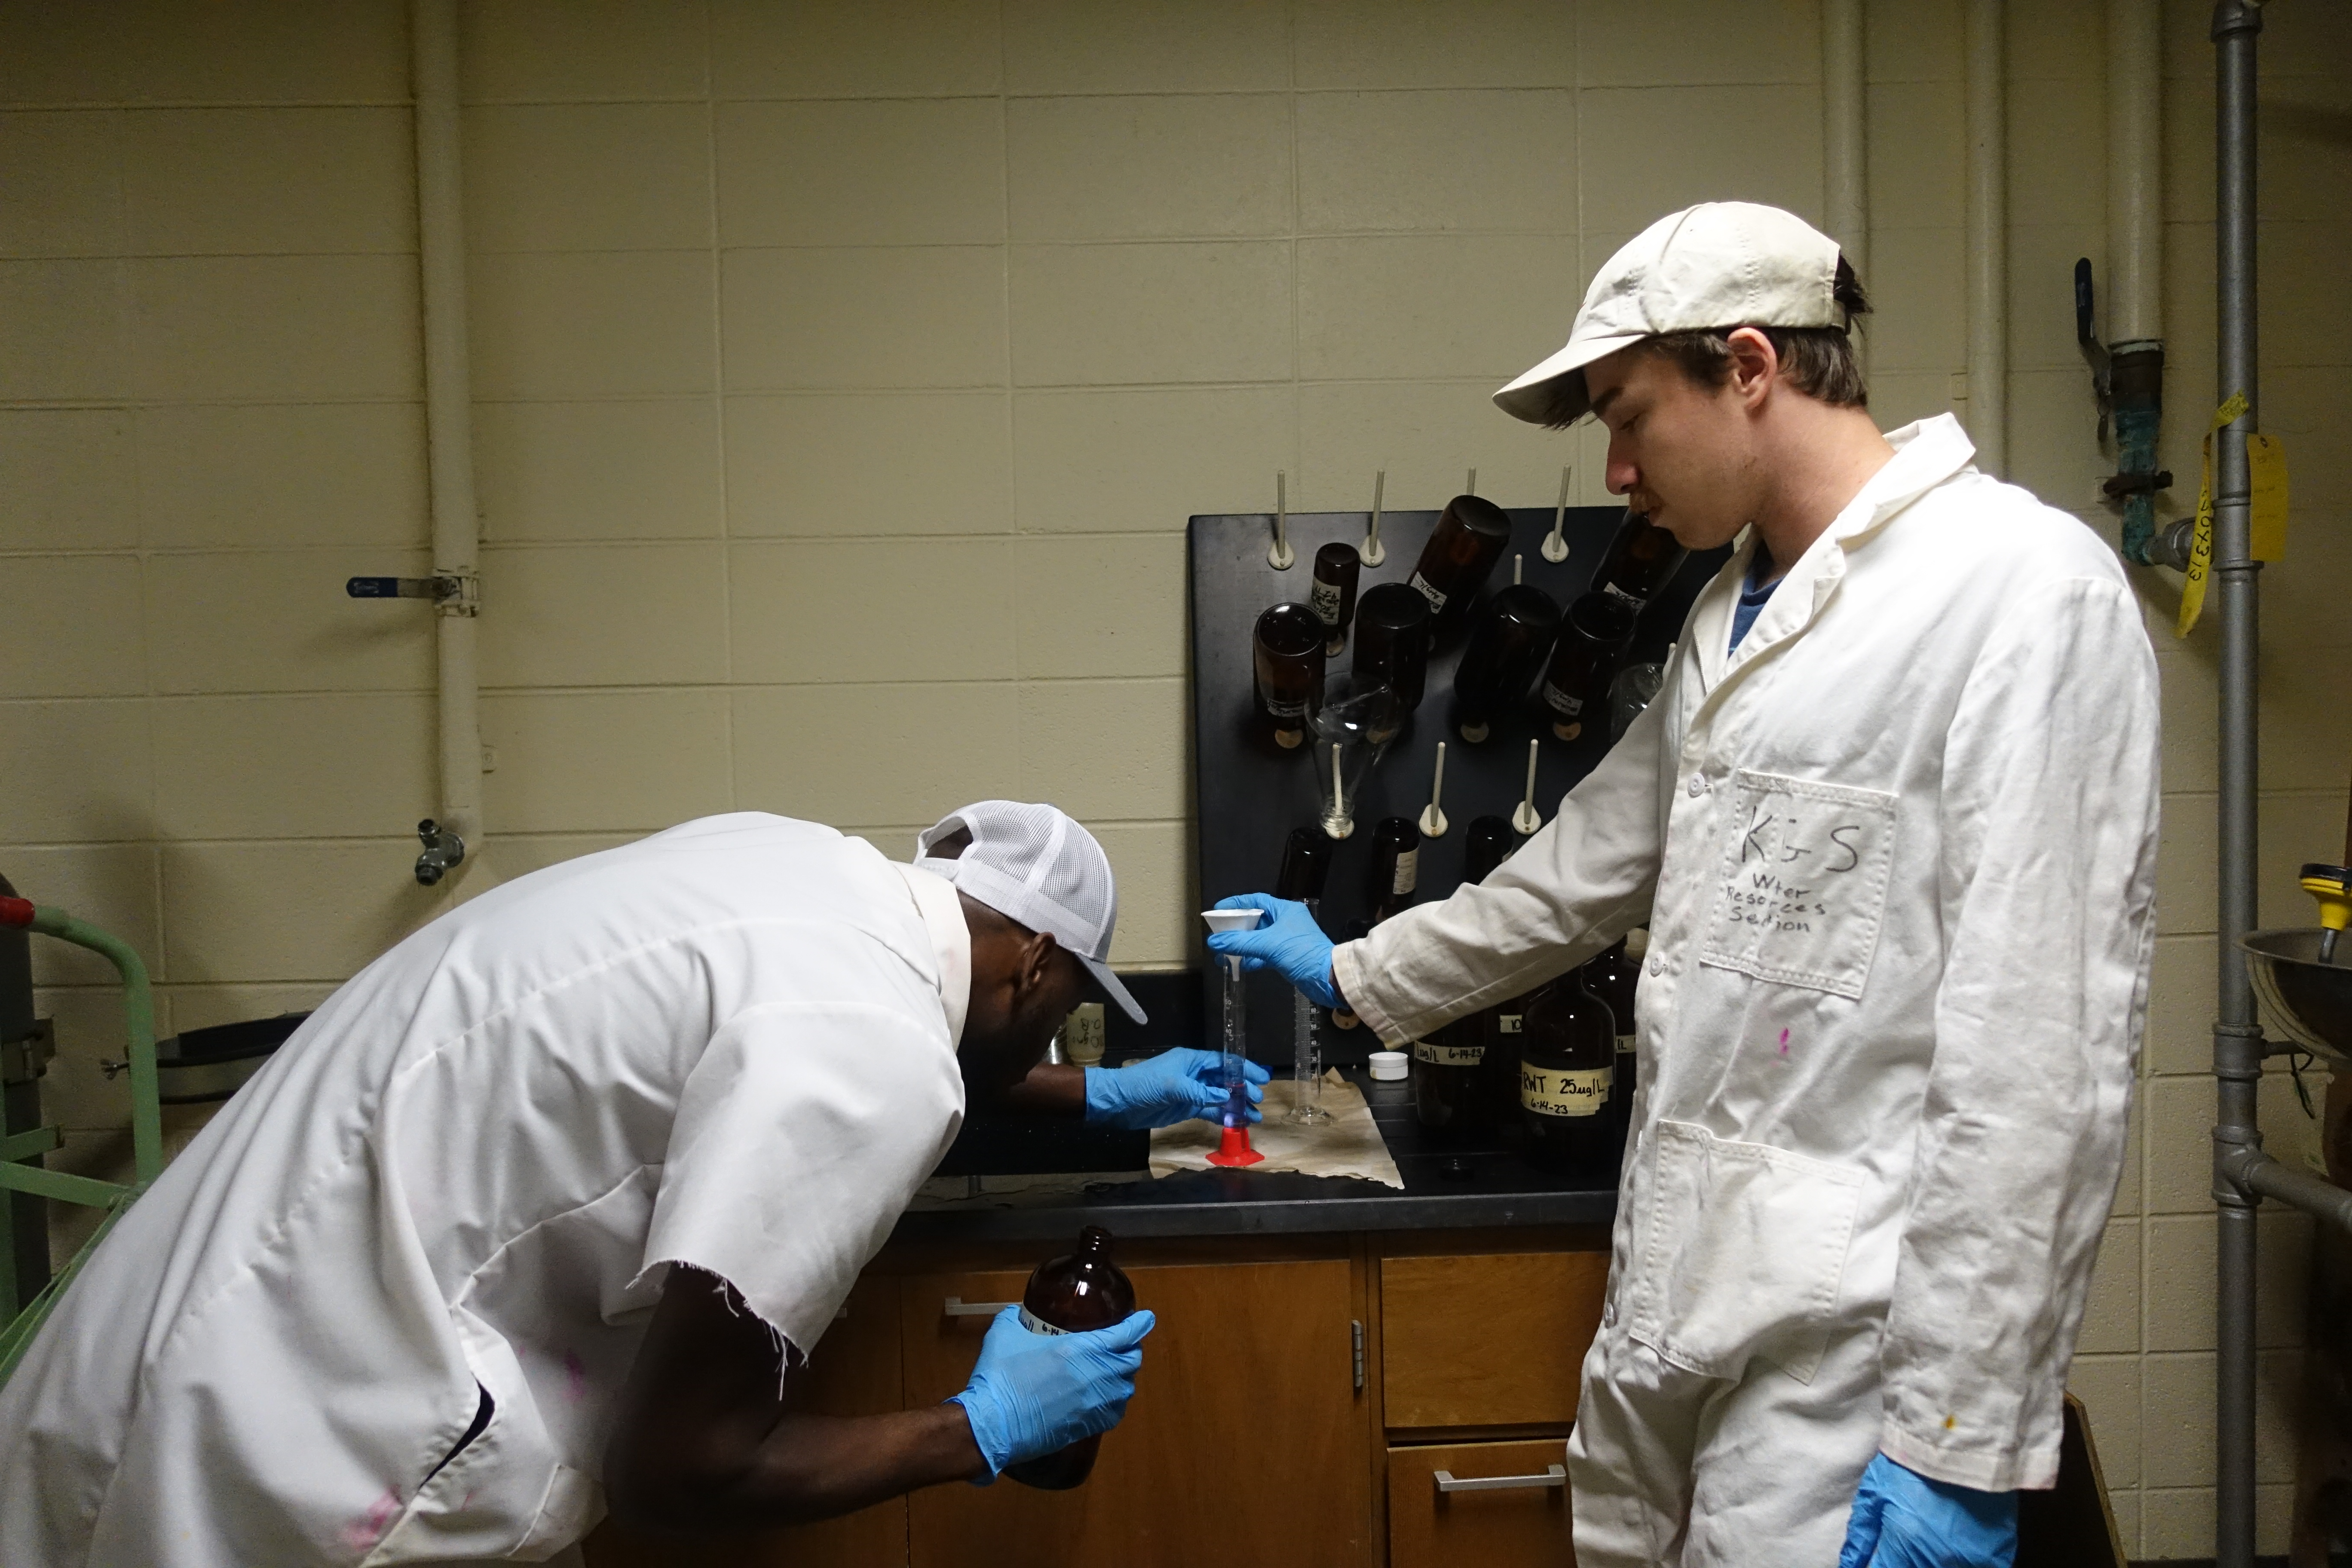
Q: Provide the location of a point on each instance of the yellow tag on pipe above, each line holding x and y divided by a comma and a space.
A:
2200, 552
2266, 468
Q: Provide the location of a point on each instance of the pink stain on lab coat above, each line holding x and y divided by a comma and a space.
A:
575, 1377
369, 1528
1784, 1045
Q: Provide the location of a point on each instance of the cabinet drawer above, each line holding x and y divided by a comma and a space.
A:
1487, 1338
1523, 1524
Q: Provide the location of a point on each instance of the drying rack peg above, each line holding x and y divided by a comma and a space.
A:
1470, 485
1281, 557
1555, 545
1372, 553
1524, 820
1432, 816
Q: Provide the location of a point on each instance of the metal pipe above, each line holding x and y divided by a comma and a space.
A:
2135, 170
1988, 236
2135, 261
1845, 186
2273, 1178
448, 409
2237, 1036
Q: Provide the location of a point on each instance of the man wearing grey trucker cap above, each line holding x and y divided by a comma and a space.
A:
1891, 821
551, 1203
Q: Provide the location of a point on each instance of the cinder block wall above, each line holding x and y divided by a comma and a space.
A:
845, 375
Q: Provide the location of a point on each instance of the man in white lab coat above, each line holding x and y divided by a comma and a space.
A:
1892, 824
558, 1195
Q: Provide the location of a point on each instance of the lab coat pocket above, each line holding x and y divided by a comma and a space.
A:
1805, 875
1745, 1255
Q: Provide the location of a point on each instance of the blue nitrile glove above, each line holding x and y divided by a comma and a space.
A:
1159, 1091
1902, 1520
1033, 1395
1288, 942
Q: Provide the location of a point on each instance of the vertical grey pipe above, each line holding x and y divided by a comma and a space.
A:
2237, 1038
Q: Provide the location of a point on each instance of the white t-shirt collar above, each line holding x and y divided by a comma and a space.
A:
942, 907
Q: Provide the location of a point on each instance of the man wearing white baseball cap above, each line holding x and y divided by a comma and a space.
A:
1892, 824
555, 1198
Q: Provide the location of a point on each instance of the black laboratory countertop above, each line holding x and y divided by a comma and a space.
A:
1446, 1187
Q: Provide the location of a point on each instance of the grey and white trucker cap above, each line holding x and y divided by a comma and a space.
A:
1034, 865
1718, 264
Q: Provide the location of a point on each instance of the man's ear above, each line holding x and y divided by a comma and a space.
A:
1037, 960
1755, 364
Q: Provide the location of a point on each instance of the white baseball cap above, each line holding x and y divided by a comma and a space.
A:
1037, 868
1718, 264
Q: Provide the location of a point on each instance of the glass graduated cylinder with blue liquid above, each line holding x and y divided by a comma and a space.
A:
1233, 1007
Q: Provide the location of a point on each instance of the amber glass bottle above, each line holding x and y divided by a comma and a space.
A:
1567, 1057
1396, 868
1332, 595
1470, 535
1289, 663
1452, 1096
1593, 636
1642, 560
1392, 642
1507, 644
1306, 865
1070, 1294
1610, 978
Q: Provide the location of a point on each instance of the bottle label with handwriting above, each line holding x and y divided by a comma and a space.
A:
1568, 705
1324, 600
1427, 590
1036, 1324
1634, 599
1408, 871
1287, 710
1569, 1091
1625, 1045
1448, 1056
1508, 1023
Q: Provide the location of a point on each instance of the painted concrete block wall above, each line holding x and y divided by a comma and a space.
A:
844, 376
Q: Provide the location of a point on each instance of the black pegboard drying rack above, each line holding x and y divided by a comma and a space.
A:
1251, 792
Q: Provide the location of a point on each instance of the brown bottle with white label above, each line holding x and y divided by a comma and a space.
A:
1451, 1095
1642, 559
1332, 593
1068, 1295
1470, 535
1568, 1060
1612, 977
1396, 868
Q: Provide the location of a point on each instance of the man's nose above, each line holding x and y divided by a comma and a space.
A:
1622, 475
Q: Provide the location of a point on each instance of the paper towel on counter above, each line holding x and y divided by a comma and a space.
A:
1349, 1144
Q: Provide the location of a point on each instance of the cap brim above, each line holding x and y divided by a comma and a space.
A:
1111, 987
1537, 398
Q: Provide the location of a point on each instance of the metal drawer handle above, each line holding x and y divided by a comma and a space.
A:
957, 1306
1556, 1475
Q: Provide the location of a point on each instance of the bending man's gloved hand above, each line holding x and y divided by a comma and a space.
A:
1159, 1091
1902, 1520
1288, 942
1033, 1394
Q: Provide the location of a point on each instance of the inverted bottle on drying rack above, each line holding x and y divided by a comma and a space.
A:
1470, 535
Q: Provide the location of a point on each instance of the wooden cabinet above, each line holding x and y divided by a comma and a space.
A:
856, 1371
1487, 1339
1479, 1502
1298, 1397
1247, 1441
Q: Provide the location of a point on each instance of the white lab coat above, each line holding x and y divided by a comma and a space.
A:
731, 1044
1897, 858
